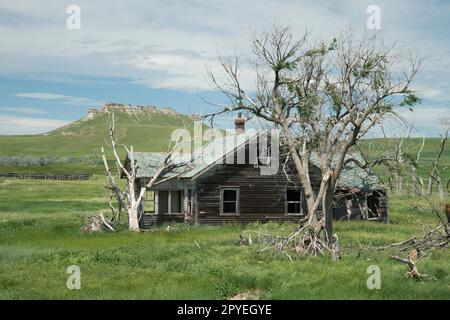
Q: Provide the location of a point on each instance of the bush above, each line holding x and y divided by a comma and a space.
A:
41, 161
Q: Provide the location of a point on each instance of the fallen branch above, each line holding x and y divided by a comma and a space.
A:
97, 223
106, 223
305, 240
411, 262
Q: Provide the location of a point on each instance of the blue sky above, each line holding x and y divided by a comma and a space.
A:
156, 52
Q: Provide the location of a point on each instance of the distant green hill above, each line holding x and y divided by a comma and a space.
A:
147, 128
374, 148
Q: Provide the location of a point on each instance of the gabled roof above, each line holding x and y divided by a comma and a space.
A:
352, 176
212, 153
147, 163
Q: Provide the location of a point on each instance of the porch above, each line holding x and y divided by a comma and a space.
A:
168, 205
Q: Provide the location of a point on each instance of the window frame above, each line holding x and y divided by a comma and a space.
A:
169, 201
148, 200
300, 202
232, 188
181, 201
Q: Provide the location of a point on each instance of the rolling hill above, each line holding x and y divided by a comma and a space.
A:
147, 128
374, 148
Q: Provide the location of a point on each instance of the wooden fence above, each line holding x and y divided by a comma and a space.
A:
45, 176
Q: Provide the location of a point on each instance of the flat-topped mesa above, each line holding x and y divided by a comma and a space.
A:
128, 108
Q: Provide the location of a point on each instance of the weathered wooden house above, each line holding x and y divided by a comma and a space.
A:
222, 191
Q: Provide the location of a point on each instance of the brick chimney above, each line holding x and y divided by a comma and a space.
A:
239, 124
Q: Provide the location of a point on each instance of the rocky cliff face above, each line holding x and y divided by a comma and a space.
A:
129, 109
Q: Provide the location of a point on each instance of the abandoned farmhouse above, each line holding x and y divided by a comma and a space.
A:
225, 192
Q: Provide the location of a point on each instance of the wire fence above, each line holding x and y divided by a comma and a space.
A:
45, 176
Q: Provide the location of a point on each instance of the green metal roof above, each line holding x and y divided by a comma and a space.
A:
352, 176
147, 163
211, 154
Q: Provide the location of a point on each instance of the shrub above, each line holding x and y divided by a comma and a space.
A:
41, 161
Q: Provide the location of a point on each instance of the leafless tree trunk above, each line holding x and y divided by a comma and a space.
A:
131, 198
430, 185
414, 166
390, 185
435, 174
421, 192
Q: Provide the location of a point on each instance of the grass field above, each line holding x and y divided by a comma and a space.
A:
40, 237
40, 234
373, 148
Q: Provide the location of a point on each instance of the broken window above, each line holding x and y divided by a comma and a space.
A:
170, 201
149, 202
294, 199
229, 200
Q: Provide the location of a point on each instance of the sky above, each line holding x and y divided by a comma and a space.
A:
157, 52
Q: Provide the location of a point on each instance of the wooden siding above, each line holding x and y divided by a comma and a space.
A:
261, 197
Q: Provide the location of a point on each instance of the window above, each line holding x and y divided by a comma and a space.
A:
229, 200
294, 201
176, 200
149, 202
170, 201
163, 203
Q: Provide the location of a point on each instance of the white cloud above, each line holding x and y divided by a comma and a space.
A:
11, 125
424, 120
24, 110
57, 97
167, 44
426, 116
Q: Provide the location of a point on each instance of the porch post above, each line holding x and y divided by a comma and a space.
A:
156, 204
185, 192
185, 206
169, 196
194, 203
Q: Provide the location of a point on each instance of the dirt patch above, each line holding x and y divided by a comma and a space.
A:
248, 295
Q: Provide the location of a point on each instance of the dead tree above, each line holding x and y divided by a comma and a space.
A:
436, 171
129, 198
396, 155
414, 165
397, 158
323, 98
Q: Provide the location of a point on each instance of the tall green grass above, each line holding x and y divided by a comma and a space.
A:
40, 237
